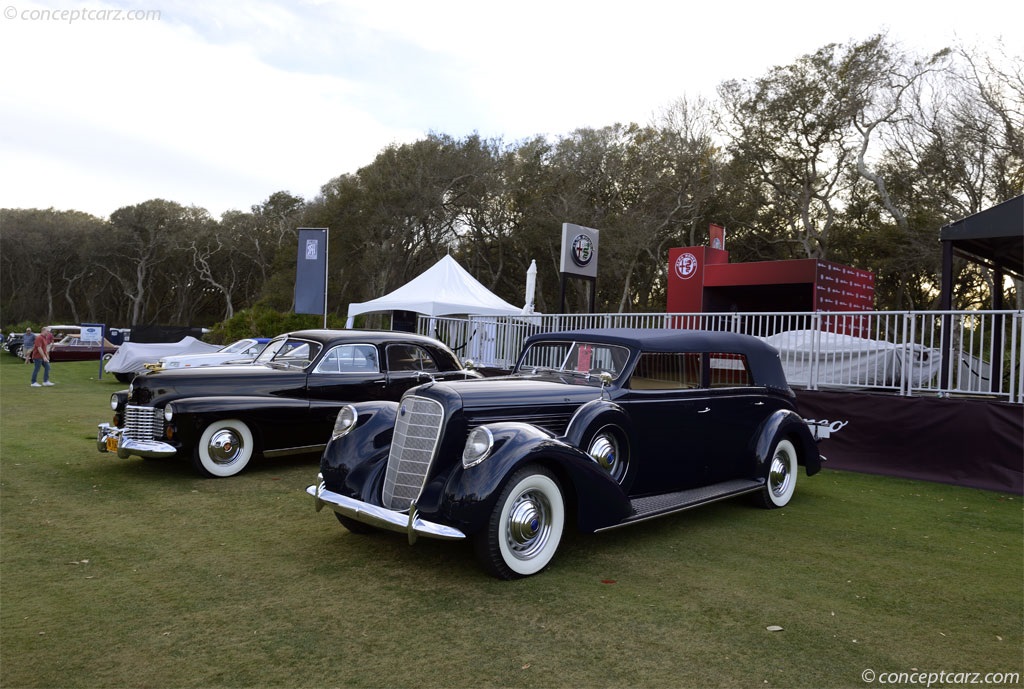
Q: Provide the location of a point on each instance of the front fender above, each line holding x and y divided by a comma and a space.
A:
235, 403
353, 464
470, 494
786, 423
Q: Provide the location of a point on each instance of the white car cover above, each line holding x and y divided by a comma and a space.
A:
132, 357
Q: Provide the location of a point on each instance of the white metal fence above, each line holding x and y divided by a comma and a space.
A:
907, 352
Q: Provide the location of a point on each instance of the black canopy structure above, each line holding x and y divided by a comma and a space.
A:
993, 238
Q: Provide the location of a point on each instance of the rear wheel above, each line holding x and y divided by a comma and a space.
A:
525, 527
224, 449
781, 479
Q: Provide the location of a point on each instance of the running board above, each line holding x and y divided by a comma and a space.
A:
653, 506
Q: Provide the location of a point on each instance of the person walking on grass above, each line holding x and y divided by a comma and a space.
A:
41, 356
27, 340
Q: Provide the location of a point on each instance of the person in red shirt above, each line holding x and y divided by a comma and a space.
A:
41, 357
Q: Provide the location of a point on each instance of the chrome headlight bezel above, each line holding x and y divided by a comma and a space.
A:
346, 420
168, 412
479, 444
113, 402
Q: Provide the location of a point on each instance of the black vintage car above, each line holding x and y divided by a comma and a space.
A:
284, 403
602, 427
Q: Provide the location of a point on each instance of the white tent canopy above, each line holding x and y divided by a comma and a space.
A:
444, 289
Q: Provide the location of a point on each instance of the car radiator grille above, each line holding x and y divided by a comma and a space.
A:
417, 431
143, 423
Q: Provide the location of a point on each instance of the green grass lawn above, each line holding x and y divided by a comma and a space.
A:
132, 573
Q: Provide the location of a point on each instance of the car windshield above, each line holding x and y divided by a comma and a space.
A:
290, 352
236, 347
582, 358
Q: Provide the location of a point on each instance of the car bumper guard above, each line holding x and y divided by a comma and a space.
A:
373, 515
109, 437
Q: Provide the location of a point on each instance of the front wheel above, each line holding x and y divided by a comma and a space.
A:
525, 526
224, 449
781, 479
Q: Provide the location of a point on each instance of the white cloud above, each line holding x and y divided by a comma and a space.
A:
220, 106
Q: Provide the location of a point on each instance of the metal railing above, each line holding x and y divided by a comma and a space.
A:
977, 353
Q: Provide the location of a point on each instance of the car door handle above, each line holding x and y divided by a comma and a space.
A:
705, 410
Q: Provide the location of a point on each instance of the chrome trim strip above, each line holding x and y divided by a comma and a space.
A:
380, 517
301, 450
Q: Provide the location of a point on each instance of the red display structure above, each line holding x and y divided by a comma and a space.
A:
701, 280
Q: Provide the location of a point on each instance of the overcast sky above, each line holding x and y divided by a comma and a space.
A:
219, 106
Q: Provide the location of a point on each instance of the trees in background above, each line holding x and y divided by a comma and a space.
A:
858, 153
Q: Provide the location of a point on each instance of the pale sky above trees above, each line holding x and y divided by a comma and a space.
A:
221, 106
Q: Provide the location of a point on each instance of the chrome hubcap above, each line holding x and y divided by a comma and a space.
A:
225, 446
779, 476
529, 525
605, 449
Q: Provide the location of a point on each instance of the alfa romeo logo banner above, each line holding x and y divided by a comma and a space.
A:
579, 250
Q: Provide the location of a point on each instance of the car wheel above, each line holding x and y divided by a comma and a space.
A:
781, 479
107, 357
609, 448
224, 449
525, 526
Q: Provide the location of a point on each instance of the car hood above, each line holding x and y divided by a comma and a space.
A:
169, 384
518, 391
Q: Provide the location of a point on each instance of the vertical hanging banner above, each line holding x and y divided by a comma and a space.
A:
311, 271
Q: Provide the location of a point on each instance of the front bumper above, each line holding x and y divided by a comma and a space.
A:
381, 517
109, 437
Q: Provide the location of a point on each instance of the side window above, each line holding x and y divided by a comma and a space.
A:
349, 358
407, 357
729, 370
666, 371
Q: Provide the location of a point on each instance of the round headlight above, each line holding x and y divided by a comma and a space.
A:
113, 402
168, 413
478, 446
346, 421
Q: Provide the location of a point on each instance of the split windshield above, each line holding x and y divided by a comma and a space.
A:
574, 357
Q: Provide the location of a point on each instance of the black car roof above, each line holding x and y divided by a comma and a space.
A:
762, 357
325, 336
665, 339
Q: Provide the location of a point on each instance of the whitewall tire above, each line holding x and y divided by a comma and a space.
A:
525, 527
224, 449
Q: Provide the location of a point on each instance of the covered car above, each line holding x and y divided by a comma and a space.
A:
242, 351
132, 357
601, 428
284, 403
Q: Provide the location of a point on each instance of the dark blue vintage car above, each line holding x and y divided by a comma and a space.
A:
284, 403
601, 427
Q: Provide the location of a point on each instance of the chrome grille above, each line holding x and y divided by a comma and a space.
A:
417, 431
143, 423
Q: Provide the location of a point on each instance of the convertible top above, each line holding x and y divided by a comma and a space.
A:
665, 340
763, 358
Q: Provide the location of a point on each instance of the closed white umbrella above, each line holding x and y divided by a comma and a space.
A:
531, 287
